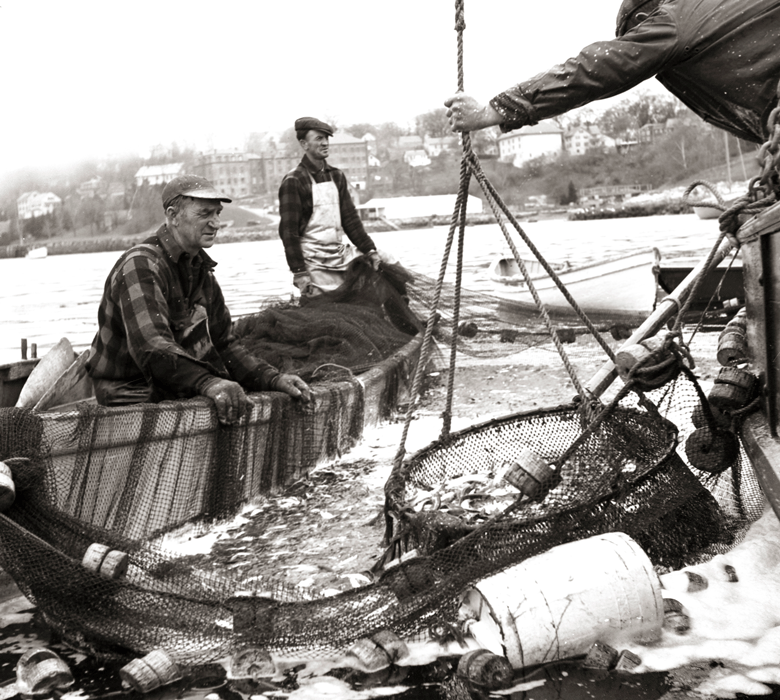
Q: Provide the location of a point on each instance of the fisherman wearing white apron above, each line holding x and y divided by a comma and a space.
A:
316, 211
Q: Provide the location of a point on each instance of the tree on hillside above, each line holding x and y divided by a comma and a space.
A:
631, 114
433, 123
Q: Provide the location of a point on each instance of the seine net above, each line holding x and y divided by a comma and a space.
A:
118, 477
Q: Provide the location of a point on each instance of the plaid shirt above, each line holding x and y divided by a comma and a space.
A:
151, 291
295, 208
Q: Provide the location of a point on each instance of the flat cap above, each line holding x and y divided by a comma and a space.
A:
191, 186
307, 123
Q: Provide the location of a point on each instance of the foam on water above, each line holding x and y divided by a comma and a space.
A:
734, 613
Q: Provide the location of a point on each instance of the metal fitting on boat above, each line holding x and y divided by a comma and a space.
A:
39, 671
7, 487
486, 669
696, 582
712, 449
108, 562
155, 669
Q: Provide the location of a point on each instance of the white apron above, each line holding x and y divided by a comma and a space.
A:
324, 252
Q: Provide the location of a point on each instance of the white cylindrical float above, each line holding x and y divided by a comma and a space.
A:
558, 604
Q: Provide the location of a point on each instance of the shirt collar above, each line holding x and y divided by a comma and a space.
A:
312, 167
175, 251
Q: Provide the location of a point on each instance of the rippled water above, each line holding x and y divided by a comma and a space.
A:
45, 300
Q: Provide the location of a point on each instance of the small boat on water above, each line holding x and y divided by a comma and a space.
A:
704, 211
37, 253
722, 284
622, 288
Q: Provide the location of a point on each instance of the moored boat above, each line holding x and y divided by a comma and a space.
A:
37, 253
704, 211
621, 288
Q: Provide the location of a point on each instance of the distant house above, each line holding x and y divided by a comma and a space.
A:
587, 138
436, 145
415, 207
517, 147
650, 132
32, 204
416, 158
158, 174
410, 143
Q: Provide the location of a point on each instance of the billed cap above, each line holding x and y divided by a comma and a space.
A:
191, 186
307, 123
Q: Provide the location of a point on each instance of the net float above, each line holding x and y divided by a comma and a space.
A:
108, 562
557, 604
39, 671
712, 450
531, 475
732, 348
251, 662
675, 618
409, 575
155, 669
627, 661
252, 610
486, 669
600, 656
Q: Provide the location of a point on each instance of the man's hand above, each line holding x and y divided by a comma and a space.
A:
466, 114
293, 385
373, 257
231, 401
302, 280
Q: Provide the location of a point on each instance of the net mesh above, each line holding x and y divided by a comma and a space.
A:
121, 476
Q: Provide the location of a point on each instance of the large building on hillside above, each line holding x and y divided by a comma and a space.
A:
350, 154
242, 174
236, 173
32, 204
529, 142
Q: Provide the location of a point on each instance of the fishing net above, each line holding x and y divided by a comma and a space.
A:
119, 476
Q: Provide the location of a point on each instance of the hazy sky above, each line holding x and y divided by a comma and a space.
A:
86, 78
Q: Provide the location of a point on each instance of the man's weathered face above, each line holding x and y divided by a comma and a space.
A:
316, 145
196, 223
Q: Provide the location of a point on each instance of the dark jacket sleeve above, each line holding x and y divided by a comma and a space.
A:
251, 372
350, 220
290, 224
600, 70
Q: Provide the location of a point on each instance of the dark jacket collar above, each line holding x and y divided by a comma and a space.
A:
175, 251
312, 167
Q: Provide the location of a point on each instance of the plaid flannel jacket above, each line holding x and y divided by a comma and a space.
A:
295, 208
152, 288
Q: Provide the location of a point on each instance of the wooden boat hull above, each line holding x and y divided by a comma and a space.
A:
620, 289
723, 282
144, 469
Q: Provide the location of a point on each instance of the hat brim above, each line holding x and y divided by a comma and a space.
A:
206, 193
